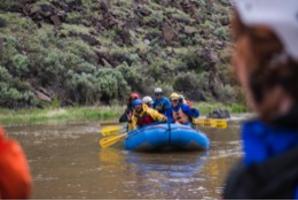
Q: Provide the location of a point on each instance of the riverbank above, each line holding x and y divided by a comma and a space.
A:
79, 114
58, 115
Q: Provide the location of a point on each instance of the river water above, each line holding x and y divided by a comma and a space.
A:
66, 162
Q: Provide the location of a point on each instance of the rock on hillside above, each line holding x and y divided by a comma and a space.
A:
97, 51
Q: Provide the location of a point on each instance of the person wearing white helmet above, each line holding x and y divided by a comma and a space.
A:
162, 104
157, 90
148, 100
265, 61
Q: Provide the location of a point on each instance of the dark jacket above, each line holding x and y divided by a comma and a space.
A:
128, 111
269, 168
276, 178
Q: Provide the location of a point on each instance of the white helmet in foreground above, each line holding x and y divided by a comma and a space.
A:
279, 15
148, 100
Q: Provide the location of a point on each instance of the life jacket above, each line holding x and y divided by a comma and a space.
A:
15, 178
144, 119
276, 178
180, 117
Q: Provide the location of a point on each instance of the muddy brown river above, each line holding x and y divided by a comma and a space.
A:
66, 162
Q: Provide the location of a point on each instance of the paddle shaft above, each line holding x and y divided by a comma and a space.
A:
109, 141
113, 130
214, 123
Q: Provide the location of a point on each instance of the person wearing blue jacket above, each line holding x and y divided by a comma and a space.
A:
182, 113
162, 104
265, 61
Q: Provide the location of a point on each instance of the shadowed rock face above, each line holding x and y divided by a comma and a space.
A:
86, 52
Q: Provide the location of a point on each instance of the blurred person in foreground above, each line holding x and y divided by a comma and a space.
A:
265, 61
15, 178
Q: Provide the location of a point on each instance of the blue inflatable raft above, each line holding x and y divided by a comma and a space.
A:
166, 136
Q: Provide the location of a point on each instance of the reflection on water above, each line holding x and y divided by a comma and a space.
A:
66, 162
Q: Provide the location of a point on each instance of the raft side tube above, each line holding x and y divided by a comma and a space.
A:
158, 137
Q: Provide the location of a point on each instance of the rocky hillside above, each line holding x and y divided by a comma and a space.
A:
71, 52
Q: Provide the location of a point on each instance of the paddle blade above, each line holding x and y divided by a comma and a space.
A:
110, 130
219, 124
109, 141
213, 123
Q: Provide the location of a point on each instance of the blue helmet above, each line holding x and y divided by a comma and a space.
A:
136, 102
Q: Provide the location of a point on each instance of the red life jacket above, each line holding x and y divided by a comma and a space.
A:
144, 120
15, 178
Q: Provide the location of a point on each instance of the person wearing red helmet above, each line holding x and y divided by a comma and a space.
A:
134, 96
15, 178
126, 116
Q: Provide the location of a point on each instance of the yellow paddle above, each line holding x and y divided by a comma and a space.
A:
109, 141
111, 130
113, 139
213, 123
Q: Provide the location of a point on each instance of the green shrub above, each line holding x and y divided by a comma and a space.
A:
21, 64
10, 48
131, 76
105, 85
10, 5
112, 85
82, 88
154, 19
14, 93
128, 52
82, 50
227, 94
221, 33
5, 76
3, 22
160, 69
73, 18
51, 68
189, 85
200, 60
